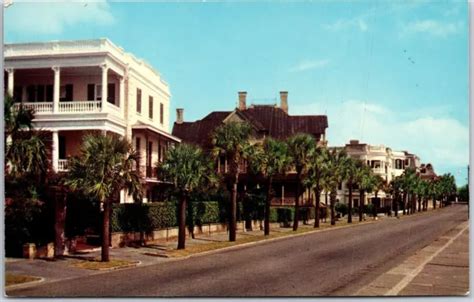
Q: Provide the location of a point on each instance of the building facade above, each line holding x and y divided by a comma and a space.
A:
384, 161
76, 87
266, 121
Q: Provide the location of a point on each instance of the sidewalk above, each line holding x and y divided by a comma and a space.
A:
439, 269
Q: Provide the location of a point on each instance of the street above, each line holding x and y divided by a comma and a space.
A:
336, 262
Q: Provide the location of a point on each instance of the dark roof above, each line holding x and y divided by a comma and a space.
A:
265, 119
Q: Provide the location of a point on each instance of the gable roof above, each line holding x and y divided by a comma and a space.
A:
269, 120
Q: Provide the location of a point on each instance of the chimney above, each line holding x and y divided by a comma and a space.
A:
179, 115
242, 100
284, 101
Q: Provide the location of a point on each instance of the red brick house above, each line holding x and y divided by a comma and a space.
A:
266, 121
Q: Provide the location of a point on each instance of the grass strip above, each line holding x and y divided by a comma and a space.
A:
96, 264
12, 279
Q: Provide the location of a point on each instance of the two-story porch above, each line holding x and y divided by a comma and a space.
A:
69, 102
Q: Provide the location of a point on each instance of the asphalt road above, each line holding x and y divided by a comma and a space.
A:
336, 262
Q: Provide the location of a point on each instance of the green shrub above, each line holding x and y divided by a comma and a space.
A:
143, 217
341, 208
369, 209
27, 221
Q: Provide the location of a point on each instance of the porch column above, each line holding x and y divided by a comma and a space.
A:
105, 70
10, 86
57, 85
55, 151
121, 95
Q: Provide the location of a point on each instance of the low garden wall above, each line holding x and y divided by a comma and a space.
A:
149, 222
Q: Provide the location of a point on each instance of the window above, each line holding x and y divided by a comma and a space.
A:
66, 93
150, 107
139, 100
40, 93
161, 113
98, 92
137, 149
111, 93
90, 92
62, 147
49, 93
150, 150
18, 93
31, 93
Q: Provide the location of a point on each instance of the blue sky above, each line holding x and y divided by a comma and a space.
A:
392, 73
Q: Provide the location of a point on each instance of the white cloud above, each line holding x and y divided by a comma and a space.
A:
432, 27
308, 65
53, 17
341, 24
440, 140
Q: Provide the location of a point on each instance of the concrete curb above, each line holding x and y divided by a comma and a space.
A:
25, 284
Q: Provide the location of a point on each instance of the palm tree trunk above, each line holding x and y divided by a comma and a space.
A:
395, 200
105, 232
404, 203
326, 202
349, 208
376, 205
182, 223
59, 223
361, 204
419, 203
233, 213
333, 204
434, 203
267, 207
317, 193
297, 202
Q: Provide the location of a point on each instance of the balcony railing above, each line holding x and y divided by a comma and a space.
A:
62, 165
37, 107
72, 107
80, 106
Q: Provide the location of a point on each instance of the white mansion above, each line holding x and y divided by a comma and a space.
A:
92, 85
384, 162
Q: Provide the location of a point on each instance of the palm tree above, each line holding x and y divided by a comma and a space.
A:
395, 188
232, 140
270, 160
420, 191
25, 151
365, 181
189, 170
379, 184
103, 169
317, 172
407, 185
300, 147
353, 167
338, 170
447, 187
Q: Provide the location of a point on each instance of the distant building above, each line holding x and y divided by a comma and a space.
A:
266, 121
384, 162
84, 86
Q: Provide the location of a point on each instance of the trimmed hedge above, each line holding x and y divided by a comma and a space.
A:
147, 217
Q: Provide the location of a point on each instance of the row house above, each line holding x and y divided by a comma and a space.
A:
266, 121
76, 87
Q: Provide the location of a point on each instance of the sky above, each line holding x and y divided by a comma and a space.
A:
384, 72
